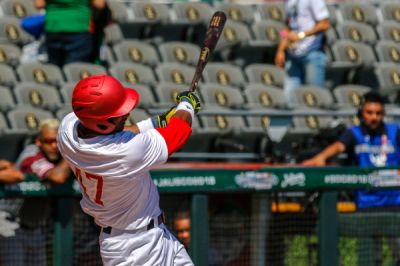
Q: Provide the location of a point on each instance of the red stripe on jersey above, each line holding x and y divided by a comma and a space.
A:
175, 134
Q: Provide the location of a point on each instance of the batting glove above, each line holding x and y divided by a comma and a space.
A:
190, 97
163, 119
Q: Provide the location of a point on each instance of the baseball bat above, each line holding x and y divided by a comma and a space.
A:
214, 30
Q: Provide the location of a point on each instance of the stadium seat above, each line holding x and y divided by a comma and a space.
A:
267, 32
274, 125
7, 76
166, 93
313, 97
63, 111
265, 74
388, 51
180, 52
390, 10
18, 8
150, 12
3, 124
175, 73
224, 74
66, 91
237, 12
350, 96
356, 31
389, 30
133, 73
332, 14
147, 99
331, 35
37, 95
40, 73
192, 12
234, 34
388, 75
136, 52
353, 52
260, 96
214, 94
11, 31
311, 123
9, 54
7, 101
358, 12
27, 117
118, 10
77, 71
113, 34
272, 10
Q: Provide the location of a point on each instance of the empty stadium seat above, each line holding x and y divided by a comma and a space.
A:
150, 12
9, 54
166, 93
353, 52
311, 122
359, 12
388, 51
332, 14
3, 125
11, 31
267, 32
350, 95
214, 95
224, 74
237, 12
77, 71
136, 52
113, 34
37, 95
133, 73
18, 8
118, 10
272, 10
389, 30
27, 117
275, 126
7, 76
262, 96
356, 31
136, 116
265, 74
313, 97
66, 91
40, 73
390, 10
7, 101
63, 111
388, 75
192, 12
147, 99
180, 52
175, 73
234, 34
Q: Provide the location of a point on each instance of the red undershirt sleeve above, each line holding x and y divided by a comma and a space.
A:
175, 134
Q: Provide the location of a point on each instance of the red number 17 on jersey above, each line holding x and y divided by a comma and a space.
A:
99, 185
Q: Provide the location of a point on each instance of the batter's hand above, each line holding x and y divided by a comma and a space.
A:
190, 97
163, 119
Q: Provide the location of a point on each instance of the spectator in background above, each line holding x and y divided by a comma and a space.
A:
301, 49
374, 143
42, 159
182, 228
69, 30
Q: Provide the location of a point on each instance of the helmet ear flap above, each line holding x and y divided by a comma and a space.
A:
100, 126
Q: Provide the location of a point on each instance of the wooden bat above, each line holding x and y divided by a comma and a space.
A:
214, 30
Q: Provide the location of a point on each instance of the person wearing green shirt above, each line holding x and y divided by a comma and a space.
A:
69, 29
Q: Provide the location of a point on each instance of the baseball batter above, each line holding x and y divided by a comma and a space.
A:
112, 163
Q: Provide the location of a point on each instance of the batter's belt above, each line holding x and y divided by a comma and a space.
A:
151, 225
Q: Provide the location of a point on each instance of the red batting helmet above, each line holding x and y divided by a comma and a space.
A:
100, 97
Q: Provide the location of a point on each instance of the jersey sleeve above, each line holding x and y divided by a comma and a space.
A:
175, 134
319, 10
146, 150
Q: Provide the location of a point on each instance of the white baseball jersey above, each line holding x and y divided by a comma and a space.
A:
113, 172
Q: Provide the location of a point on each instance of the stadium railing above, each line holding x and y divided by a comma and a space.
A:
313, 229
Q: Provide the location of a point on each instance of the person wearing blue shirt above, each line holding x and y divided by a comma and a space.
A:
301, 47
373, 143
